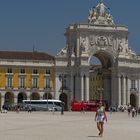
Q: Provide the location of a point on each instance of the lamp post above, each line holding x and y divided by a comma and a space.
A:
101, 93
47, 92
61, 77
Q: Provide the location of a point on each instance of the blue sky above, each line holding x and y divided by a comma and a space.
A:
43, 22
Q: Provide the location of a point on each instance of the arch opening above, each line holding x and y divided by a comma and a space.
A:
100, 77
133, 100
9, 98
21, 96
35, 96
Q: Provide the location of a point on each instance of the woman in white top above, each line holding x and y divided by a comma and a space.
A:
100, 117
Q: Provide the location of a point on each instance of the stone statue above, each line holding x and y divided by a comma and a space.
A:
110, 19
92, 15
101, 8
84, 45
120, 48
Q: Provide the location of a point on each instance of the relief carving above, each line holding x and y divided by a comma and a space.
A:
92, 40
84, 45
101, 41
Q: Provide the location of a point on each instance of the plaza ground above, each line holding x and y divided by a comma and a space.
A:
70, 126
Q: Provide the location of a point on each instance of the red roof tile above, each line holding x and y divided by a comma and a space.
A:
25, 55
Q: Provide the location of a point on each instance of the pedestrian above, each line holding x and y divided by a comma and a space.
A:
133, 112
82, 109
129, 109
62, 109
136, 111
17, 108
29, 109
100, 117
110, 110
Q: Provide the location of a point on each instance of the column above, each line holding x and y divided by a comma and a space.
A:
87, 88
137, 93
124, 91
136, 84
15, 99
57, 86
28, 95
41, 95
71, 87
119, 91
114, 90
78, 88
76, 94
128, 90
82, 88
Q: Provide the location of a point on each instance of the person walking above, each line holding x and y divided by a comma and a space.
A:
100, 117
62, 109
29, 109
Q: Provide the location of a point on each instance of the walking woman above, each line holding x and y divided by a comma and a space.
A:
100, 117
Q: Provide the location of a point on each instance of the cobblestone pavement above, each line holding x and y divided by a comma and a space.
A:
70, 126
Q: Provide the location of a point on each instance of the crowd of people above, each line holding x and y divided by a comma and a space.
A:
132, 111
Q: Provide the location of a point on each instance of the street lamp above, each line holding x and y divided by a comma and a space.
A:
101, 93
61, 77
47, 92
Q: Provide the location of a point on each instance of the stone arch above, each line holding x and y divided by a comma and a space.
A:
21, 96
47, 96
64, 98
107, 59
107, 62
35, 96
133, 100
9, 98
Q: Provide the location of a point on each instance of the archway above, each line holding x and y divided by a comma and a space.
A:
100, 76
35, 96
21, 96
9, 98
47, 96
133, 100
63, 97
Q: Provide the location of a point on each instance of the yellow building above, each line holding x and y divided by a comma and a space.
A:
95, 82
25, 75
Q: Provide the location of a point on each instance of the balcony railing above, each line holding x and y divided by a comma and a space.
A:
9, 87
21, 87
35, 87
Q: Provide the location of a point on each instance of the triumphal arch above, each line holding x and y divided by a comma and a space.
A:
102, 38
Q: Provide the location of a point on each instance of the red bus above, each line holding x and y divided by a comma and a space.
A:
86, 106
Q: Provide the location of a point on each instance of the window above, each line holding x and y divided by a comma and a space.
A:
133, 84
9, 70
47, 82
48, 71
22, 71
35, 71
9, 82
22, 82
35, 82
